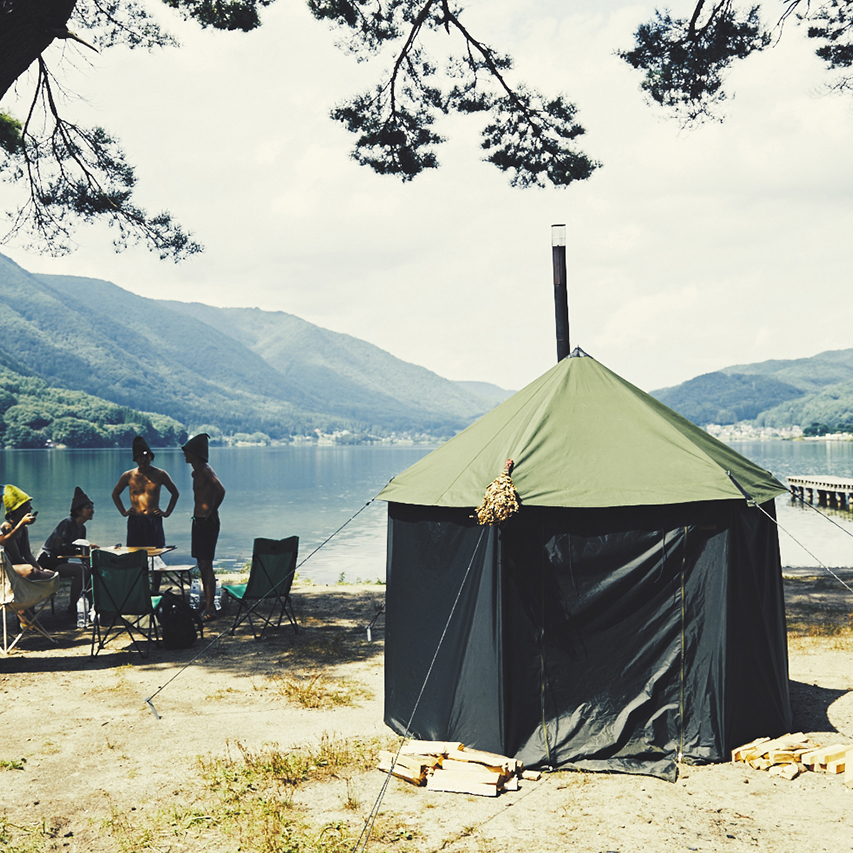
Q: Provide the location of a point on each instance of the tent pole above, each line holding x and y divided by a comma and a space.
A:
561, 297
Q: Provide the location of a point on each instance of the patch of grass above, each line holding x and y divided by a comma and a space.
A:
221, 694
261, 767
388, 831
312, 689
243, 802
799, 628
35, 838
129, 834
12, 763
352, 802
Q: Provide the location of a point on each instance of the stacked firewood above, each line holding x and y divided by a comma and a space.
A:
792, 754
450, 766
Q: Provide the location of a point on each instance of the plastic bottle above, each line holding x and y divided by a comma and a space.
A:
81, 611
217, 596
195, 593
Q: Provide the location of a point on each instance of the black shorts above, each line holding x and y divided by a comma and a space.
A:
145, 531
204, 535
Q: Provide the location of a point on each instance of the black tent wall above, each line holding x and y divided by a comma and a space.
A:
604, 639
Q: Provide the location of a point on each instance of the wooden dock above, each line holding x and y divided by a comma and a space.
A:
831, 491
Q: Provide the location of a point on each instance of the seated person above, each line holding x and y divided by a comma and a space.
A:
15, 538
59, 546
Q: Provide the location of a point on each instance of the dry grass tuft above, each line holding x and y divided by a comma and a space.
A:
313, 689
269, 766
246, 804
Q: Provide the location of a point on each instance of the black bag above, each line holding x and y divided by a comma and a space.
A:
179, 622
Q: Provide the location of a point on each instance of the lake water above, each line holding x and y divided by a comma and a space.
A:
311, 491
271, 492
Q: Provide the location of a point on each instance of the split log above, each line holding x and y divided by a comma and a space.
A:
490, 759
429, 747
785, 771
456, 783
818, 759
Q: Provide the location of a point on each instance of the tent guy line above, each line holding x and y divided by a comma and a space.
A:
815, 558
149, 700
374, 811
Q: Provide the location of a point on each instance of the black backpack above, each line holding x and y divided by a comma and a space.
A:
180, 624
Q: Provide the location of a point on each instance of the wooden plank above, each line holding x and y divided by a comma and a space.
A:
784, 742
784, 771
412, 763
510, 784
429, 747
401, 773
825, 754
474, 770
531, 775
490, 759
777, 756
782, 756
452, 783
848, 775
839, 764
738, 753
752, 755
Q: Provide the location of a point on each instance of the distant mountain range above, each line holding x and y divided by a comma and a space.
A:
239, 370
815, 393
86, 363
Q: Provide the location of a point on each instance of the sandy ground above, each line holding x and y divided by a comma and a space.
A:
90, 747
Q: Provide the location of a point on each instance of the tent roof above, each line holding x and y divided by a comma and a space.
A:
581, 436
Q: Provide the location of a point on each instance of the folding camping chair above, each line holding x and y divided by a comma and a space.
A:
122, 599
270, 579
19, 594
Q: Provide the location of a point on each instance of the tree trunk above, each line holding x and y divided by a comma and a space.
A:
27, 27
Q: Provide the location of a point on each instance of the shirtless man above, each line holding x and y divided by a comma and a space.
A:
144, 516
208, 494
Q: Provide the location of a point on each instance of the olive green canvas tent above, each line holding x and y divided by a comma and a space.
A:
630, 615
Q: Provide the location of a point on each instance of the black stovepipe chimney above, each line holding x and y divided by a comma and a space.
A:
561, 296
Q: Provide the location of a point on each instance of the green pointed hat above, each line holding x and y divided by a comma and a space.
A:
13, 497
197, 445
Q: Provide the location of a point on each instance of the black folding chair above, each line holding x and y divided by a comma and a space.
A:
270, 579
122, 600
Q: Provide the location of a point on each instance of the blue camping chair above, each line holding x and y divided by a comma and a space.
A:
270, 579
122, 600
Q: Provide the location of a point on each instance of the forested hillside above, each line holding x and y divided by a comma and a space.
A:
35, 415
814, 393
236, 370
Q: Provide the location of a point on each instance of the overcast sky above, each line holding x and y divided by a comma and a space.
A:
687, 251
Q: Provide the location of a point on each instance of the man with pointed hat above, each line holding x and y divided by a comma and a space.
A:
15, 536
144, 516
208, 494
59, 548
